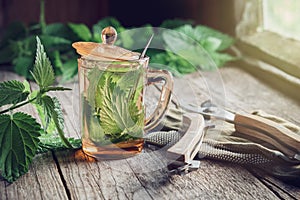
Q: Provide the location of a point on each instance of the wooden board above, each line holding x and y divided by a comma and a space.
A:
43, 181
73, 175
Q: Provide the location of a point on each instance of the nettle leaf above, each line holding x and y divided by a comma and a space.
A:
19, 142
47, 128
129, 81
119, 115
52, 115
56, 58
58, 113
27, 86
58, 120
175, 23
97, 80
69, 69
188, 49
12, 92
201, 33
7, 54
103, 99
174, 63
48, 108
81, 30
14, 31
54, 143
43, 72
206, 32
60, 30
212, 44
22, 65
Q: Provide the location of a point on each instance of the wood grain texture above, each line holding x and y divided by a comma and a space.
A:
280, 133
145, 176
43, 180
88, 179
239, 91
149, 172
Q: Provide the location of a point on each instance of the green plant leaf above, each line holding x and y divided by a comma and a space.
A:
56, 88
201, 33
42, 72
69, 69
175, 23
53, 143
81, 30
54, 43
52, 114
24, 47
206, 32
129, 81
27, 86
47, 104
56, 58
19, 141
14, 31
174, 63
12, 92
58, 119
135, 38
60, 30
22, 65
56, 29
190, 50
6, 54
211, 44
48, 128
222, 58
118, 114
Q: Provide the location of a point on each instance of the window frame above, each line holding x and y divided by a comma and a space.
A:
267, 46
266, 54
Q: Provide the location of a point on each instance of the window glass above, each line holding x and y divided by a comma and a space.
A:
283, 17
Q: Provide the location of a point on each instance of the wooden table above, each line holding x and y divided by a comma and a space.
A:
72, 175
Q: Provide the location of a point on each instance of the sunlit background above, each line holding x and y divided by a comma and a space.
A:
283, 17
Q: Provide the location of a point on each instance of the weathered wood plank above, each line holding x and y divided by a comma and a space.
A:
212, 181
145, 177
253, 94
244, 93
88, 179
147, 174
43, 180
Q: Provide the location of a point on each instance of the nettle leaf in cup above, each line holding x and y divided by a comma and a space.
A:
112, 97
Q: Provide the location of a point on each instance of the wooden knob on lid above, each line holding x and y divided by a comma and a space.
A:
109, 35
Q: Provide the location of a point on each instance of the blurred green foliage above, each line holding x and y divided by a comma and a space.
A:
17, 46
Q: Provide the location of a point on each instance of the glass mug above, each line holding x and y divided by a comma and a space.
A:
112, 105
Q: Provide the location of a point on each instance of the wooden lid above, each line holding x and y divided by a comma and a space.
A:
106, 51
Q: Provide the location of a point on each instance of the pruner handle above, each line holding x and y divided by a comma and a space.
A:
264, 130
185, 150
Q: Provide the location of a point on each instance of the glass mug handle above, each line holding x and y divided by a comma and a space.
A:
154, 76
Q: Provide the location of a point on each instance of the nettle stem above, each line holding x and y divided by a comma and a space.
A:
17, 106
42, 16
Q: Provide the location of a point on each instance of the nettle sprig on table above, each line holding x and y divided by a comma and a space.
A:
21, 136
